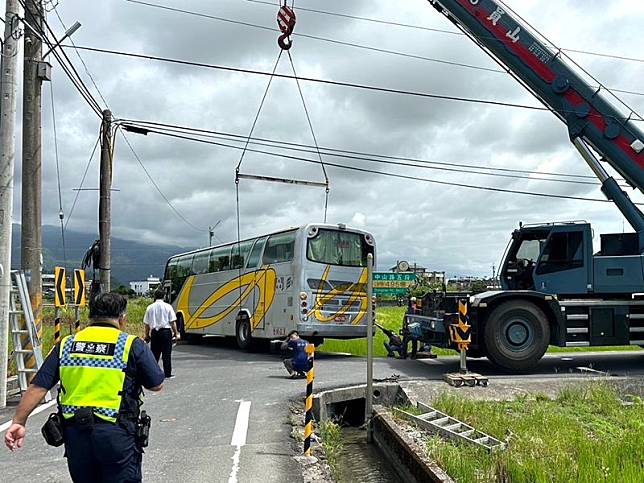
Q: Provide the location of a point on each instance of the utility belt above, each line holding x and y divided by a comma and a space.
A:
85, 419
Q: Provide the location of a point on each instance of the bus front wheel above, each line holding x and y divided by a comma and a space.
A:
243, 334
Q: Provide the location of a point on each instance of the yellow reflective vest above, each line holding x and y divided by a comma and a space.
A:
92, 371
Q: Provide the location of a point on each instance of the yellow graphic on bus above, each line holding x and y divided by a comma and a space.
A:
356, 291
263, 279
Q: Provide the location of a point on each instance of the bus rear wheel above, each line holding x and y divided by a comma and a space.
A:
243, 334
516, 335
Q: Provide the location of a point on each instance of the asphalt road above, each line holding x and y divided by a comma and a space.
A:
200, 430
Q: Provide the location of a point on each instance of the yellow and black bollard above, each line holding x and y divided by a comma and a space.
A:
57, 327
308, 422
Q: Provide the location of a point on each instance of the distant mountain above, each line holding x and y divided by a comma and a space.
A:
131, 260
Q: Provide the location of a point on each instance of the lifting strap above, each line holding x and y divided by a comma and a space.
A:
286, 20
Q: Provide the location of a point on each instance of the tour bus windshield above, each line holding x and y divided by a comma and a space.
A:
335, 247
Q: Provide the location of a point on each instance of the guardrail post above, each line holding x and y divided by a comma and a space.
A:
464, 334
308, 422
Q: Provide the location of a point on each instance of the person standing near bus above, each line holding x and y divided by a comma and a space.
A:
160, 325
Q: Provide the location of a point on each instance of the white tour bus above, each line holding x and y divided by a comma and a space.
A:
312, 279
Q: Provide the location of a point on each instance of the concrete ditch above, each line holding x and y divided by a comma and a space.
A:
348, 404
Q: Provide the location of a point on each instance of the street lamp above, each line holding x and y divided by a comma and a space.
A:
70, 31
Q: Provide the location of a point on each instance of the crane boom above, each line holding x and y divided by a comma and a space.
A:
591, 119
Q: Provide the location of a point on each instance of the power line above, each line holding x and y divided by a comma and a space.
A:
373, 158
383, 173
156, 186
435, 30
338, 42
335, 151
89, 74
80, 187
61, 214
91, 77
316, 80
69, 70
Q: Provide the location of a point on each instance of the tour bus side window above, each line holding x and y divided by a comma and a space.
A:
240, 254
212, 261
184, 269
220, 258
200, 263
255, 253
170, 269
280, 248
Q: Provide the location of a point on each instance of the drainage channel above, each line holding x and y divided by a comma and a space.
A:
359, 461
363, 462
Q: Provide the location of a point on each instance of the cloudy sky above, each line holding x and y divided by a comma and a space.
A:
461, 231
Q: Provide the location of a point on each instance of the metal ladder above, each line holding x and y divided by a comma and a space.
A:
20, 309
451, 428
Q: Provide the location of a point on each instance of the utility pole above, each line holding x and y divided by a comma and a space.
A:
35, 71
105, 202
8, 89
211, 232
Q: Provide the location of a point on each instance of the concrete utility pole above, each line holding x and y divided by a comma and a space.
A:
35, 72
8, 89
105, 202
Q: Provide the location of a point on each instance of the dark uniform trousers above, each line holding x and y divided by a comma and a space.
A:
161, 344
106, 453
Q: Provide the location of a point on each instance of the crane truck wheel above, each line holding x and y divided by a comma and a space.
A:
516, 335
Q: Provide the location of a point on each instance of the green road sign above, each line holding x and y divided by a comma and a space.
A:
387, 283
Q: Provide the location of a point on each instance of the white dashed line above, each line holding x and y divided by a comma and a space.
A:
239, 437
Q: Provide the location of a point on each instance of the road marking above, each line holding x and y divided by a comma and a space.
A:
39, 409
239, 437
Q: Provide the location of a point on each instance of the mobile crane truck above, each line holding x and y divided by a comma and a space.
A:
554, 289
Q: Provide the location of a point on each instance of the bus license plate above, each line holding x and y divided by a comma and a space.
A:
340, 318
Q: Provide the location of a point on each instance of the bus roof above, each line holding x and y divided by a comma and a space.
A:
339, 226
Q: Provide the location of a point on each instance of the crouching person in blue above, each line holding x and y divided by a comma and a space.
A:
102, 371
298, 364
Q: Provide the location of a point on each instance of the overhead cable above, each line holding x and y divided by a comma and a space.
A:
316, 80
388, 174
435, 30
143, 125
335, 41
158, 188
387, 160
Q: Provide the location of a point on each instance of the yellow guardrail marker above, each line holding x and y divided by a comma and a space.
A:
461, 333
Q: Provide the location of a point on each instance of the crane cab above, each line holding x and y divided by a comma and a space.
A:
558, 259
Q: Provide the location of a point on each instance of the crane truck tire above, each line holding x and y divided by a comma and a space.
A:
516, 335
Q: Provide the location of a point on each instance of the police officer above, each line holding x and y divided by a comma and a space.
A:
101, 370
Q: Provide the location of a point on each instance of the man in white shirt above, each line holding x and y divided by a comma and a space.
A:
160, 324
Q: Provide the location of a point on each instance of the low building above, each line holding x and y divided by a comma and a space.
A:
422, 273
144, 287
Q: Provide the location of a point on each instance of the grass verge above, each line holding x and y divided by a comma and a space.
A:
391, 318
586, 434
332, 443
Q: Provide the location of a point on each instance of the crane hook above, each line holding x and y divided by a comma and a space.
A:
286, 23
